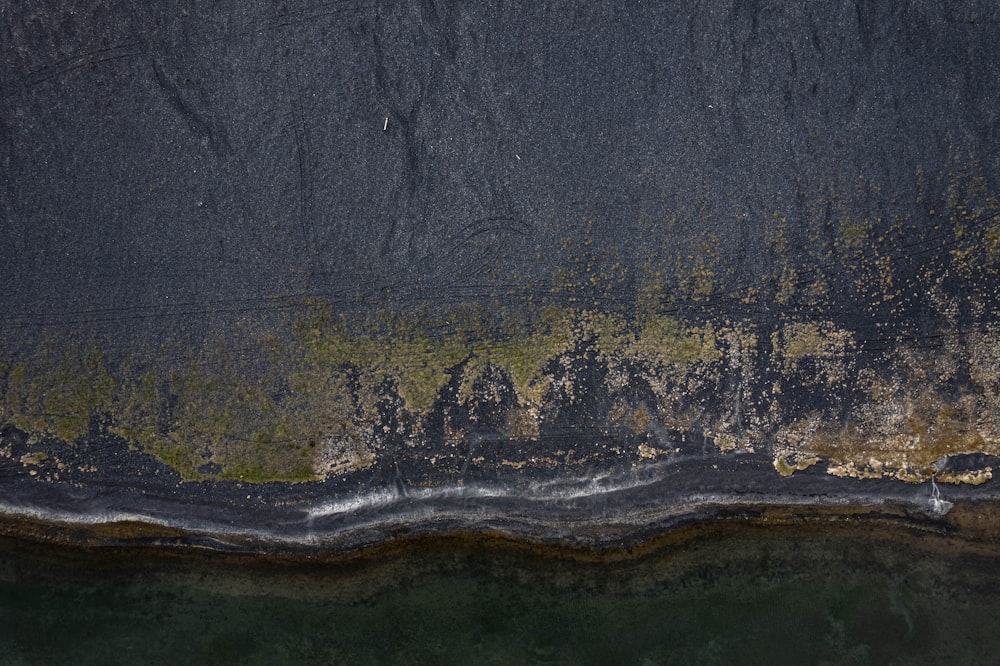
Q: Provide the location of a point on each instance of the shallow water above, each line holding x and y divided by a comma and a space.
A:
721, 595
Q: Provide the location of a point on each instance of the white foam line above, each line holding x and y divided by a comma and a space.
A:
82, 518
383, 498
110, 517
586, 487
420, 510
563, 489
378, 498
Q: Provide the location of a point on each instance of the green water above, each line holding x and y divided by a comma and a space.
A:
754, 596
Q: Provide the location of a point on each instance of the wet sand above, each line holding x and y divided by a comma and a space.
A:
972, 527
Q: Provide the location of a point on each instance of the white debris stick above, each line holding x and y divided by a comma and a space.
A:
938, 505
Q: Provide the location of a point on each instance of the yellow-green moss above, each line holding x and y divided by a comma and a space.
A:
309, 399
58, 390
421, 366
663, 340
697, 271
607, 332
821, 341
524, 358
854, 234
991, 241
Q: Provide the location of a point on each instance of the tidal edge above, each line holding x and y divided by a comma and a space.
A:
622, 520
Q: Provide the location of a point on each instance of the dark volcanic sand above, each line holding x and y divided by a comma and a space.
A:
180, 170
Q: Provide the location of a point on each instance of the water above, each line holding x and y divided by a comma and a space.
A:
724, 595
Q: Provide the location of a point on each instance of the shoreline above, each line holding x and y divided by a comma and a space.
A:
971, 527
600, 512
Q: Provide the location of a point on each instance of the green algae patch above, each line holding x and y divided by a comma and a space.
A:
698, 277
312, 400
822, 343
818, 356
523, 356
664, 340
854, 234
58, 393
421, 366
